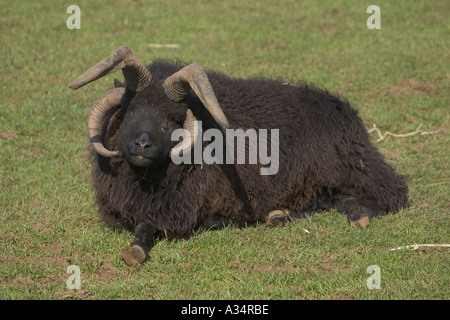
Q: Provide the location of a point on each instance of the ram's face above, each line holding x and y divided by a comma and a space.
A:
154, 111
147, 127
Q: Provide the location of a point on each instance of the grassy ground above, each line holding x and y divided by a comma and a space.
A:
397, 78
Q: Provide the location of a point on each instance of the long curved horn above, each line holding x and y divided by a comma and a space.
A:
178, 86
136, 75
137, 78
98, 112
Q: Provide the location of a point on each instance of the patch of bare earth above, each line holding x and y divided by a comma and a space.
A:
410, 86
106, 272
8, 135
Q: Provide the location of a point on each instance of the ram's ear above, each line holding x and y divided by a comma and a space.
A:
118, 84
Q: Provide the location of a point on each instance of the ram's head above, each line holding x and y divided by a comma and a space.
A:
152, 112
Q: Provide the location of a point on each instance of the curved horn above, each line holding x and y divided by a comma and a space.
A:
178, 86
136, 75
188, 142
98, 112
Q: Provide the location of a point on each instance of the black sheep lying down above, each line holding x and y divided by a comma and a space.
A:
150, 181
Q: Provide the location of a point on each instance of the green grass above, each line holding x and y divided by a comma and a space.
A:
396, 77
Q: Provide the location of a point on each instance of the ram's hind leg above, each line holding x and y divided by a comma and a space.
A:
138, 251
359, 212
281, 217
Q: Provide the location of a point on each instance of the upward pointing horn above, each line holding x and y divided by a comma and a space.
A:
136, 75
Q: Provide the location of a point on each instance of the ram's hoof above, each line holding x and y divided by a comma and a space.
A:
277, 218
133, 255
361, 221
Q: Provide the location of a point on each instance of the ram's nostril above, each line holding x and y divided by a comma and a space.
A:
143, 144
143, 141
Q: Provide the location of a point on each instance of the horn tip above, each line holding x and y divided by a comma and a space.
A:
223, 123
75, 85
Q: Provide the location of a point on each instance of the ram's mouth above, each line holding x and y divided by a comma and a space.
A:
140, 160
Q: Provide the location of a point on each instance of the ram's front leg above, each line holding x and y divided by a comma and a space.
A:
138, 251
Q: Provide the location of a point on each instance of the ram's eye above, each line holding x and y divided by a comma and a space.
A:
174, 124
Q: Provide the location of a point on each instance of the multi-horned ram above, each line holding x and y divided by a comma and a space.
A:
324, 157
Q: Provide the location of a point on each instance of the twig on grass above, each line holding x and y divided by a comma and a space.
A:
436, 184
418, 246
163, 45
401, 135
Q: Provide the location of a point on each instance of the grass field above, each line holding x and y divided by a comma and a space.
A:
396, 77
